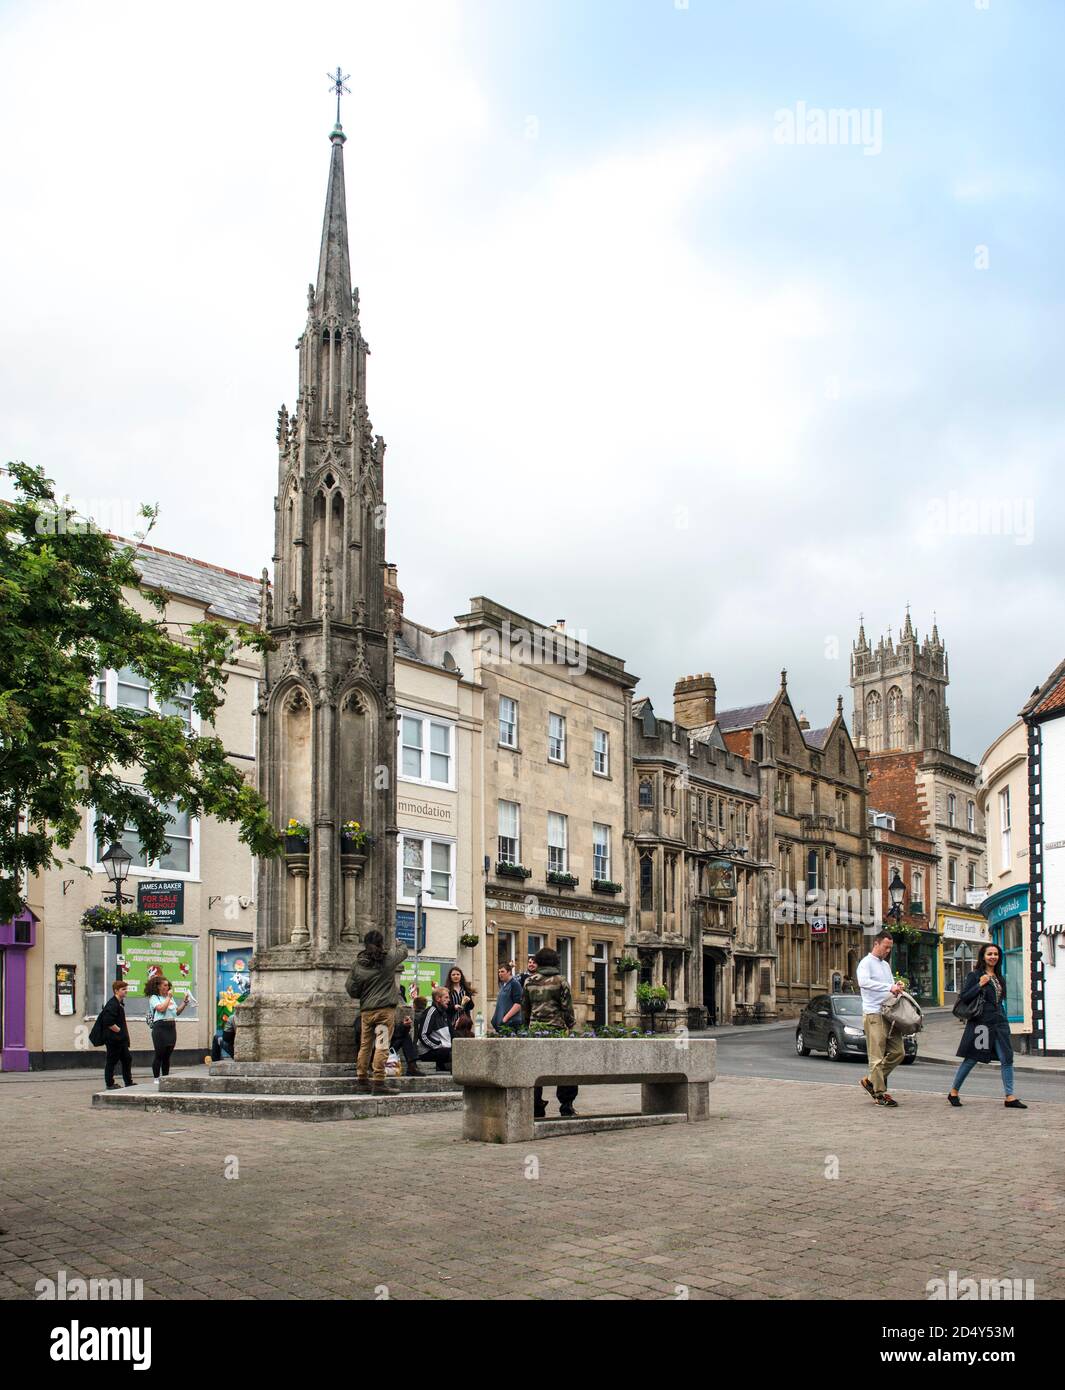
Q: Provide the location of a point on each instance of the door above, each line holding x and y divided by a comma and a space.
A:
818, 1018
710, 989
600, 984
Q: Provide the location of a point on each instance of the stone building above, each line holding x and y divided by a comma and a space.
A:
901, 847
58, 976
1002, 799
932, 793
327, 704
814, 806
702, 912
555, 771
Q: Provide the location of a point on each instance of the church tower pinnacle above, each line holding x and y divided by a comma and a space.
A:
327, 698
900, 692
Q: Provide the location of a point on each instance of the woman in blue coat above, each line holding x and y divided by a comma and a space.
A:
987, 1033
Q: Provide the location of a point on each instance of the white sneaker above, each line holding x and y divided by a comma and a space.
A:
155, 1082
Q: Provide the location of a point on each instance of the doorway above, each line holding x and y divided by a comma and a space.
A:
600, 983
710, 983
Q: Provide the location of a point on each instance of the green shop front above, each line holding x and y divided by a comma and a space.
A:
915, 956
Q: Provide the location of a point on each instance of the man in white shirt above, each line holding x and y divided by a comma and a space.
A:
877, 982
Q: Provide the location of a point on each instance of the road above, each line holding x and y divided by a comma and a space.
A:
770, 1053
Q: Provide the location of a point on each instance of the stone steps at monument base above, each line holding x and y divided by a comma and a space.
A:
595, 1124
218, 1084
278, 1107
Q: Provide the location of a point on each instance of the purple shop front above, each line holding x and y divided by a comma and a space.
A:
16, 939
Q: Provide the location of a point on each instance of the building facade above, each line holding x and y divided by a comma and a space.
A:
901, 708
814, 805
1003, 801
702, 910
202, 892
439, 809
555, 770
912, 856
1044, 718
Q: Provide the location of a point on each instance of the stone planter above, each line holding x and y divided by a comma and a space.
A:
352, 856
297, 844
498, 1076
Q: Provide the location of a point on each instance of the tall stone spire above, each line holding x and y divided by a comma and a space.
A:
327, 745
332, 293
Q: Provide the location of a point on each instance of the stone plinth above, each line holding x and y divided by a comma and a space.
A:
299, 1010
498, 1076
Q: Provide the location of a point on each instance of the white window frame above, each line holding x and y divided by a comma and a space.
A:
553, 739
952, 809
970, 817
427, 842
565, 948
952, 881
427, 721
600, 858
516, 837
106, 684
601, 756
1005, 822
152, 870
917, 886
511, 723
554, 820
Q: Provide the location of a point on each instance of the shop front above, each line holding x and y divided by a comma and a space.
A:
916, 959
1007, 921
962, 935
588, 942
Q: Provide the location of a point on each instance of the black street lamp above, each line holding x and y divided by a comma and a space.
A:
896, 892
116, 862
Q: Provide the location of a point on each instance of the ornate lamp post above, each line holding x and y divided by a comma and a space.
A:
116, 861
896, 892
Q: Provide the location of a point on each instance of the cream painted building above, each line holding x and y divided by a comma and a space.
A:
554, 775
1002, 799
206, 882
439, 808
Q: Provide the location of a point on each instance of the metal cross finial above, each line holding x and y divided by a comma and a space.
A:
336, 84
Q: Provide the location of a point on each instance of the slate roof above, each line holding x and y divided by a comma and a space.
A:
225, 593
743, 718
815, 737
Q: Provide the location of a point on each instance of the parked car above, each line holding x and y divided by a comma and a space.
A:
832, 1023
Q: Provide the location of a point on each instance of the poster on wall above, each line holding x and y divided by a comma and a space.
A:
144, 956
232, 982
429, 976
164, 900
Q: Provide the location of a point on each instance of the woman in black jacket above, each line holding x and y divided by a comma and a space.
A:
987, 1033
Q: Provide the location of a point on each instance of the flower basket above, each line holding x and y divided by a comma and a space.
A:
297, 837
124, 923
354, 840
469, 939
626, 964
652, 999
513, 871
562, 880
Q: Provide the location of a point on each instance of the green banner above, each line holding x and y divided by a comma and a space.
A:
143, 956
429, 972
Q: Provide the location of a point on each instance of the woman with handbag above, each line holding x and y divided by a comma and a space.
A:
982, 1003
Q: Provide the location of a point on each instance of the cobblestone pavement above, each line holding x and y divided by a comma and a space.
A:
741, 1207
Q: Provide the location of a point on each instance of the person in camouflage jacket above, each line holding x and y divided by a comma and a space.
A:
547, 999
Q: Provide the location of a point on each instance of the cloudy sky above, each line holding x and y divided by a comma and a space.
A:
660, 345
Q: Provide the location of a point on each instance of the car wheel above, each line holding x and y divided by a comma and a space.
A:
835, 1052
800, 1044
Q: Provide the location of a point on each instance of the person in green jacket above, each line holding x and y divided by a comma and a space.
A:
374, 984
547, 999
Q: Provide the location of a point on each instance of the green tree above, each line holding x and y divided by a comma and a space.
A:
64, 618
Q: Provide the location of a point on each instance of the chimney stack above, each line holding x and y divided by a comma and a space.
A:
695, 701
393, 594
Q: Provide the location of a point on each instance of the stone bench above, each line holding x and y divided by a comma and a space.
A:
498, 1075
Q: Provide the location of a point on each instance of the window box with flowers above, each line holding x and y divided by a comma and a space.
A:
297, 837
604, 885
513, 871
558, 880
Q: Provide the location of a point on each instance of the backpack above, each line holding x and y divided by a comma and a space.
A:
903, 1014
97, 1035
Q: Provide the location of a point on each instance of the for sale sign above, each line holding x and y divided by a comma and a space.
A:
163, 899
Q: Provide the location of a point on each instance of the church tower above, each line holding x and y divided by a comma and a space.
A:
900, 692
326, 712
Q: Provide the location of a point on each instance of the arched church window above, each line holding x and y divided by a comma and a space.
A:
896, 731
873, 730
